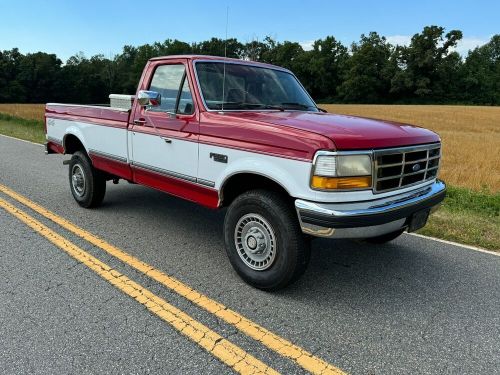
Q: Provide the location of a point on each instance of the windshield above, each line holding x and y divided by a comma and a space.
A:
250, 87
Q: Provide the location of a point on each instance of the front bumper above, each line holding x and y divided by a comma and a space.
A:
367, 219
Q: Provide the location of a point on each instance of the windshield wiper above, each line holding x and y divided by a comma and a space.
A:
300, 105
263, 106
242, 105
269, 106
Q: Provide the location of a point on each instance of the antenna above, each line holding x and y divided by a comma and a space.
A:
224, 64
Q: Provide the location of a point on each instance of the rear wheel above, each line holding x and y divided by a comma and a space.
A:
87, 184
263, 240
385, 237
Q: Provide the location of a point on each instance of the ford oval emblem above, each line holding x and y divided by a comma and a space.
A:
416, 167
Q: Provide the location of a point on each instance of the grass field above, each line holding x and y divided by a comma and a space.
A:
468, 217
23, 121
471, 160
25, 111
31, 130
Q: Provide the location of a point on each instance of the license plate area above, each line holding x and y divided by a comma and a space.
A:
418, 220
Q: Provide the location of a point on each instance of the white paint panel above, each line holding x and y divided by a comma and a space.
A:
178, 156
106, 139
293, 175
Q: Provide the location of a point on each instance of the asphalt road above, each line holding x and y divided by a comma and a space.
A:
413, 306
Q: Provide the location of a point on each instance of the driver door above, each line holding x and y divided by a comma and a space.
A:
164, 139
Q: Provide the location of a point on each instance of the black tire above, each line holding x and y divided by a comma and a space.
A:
92, 191
385, 237
291, 249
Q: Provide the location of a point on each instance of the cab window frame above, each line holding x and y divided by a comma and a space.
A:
182, 82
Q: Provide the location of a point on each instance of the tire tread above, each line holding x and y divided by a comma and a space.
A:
282, 206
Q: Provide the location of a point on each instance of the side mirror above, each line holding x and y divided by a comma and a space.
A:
149, 98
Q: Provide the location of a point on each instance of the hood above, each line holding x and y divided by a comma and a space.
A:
347, 132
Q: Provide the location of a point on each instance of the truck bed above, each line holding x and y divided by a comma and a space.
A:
101, 130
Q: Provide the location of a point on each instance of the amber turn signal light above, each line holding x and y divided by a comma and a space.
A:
326, 183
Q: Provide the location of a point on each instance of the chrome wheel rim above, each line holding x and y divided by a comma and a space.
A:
78, 180
255, 242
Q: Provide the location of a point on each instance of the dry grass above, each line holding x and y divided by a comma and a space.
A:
26, 111
470, 135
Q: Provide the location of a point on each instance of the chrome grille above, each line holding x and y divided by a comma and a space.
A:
401, 167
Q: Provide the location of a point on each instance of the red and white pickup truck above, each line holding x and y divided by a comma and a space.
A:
247, 136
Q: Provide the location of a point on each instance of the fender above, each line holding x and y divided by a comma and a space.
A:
75, 131
276, 169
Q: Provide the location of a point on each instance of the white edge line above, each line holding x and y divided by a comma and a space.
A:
22, 140
411, 234
455, 244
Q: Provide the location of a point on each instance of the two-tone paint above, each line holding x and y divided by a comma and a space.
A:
179, 154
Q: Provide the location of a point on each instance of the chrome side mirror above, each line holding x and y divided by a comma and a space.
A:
149, 98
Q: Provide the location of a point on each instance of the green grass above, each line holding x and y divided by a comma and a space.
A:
466, 216
30, 130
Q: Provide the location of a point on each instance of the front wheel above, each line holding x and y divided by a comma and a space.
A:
87, 184
263, 240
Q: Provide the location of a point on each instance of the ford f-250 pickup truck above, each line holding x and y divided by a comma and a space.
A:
247, 136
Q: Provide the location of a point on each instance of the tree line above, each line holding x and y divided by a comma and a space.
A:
372, 70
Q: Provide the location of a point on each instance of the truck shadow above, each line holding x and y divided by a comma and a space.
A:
340, 271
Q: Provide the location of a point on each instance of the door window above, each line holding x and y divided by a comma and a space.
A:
185, 105
172, 83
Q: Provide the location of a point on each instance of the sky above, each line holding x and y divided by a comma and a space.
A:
104, 27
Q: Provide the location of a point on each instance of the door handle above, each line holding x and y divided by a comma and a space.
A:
140, 121
167, 140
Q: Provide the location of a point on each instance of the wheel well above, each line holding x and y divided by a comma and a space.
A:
242, 182
72, 144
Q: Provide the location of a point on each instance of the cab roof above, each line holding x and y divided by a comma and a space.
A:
217, 58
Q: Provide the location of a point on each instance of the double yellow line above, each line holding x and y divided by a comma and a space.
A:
224, 350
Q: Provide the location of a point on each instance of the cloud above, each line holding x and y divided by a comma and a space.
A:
463, 46
467, 44
307, 45
399, 40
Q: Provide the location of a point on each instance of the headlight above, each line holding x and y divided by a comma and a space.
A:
342, 172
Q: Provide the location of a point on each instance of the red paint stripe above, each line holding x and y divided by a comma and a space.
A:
90, 120
115, 167
205, 196
56, 147
183, 189
88, 111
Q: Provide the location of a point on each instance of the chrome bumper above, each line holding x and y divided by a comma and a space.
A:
370, 218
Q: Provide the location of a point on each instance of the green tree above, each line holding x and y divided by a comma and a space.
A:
172, 47
38, 74
218, 47
256, 51
481, 74
368, 74
127, 78
11, 90
429, 66
323, 67
426, 71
